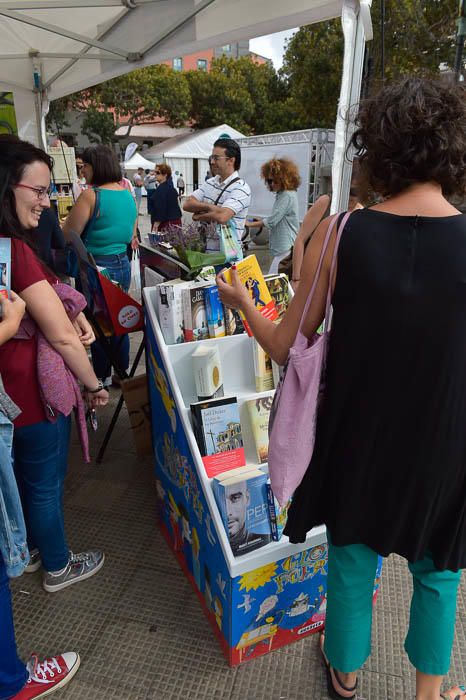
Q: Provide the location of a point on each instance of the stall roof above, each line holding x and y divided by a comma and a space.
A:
67, 45
195, 145
138, 161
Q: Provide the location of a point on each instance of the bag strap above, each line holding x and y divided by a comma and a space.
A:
236, 179
319, 267
94, 217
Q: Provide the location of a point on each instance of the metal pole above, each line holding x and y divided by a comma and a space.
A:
461, 33
382, 39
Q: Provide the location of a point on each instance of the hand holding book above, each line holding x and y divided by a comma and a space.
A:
234, 295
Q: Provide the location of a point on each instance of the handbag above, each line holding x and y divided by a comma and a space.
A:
292, 423
71, 264
135, 284
215, 245
230, 246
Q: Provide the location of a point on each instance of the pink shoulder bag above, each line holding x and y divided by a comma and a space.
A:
292, 423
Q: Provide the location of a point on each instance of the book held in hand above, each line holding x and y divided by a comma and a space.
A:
242, 502
259, 414
217, 429
5, 267
251, 276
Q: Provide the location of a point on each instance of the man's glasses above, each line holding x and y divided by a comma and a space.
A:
216, 158
41, 192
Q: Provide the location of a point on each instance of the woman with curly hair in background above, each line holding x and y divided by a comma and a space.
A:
282, 178
388, 473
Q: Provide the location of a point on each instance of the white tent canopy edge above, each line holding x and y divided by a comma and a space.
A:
183, 26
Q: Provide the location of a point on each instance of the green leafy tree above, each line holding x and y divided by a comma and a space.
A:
221, 96
134, 98
419, 36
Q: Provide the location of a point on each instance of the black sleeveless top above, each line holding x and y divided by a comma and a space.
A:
389, 465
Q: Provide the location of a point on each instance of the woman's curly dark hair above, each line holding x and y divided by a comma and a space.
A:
413, 131
282, 171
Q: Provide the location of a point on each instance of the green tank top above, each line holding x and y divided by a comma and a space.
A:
113, 227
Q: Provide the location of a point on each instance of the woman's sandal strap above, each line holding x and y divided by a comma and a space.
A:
342, 685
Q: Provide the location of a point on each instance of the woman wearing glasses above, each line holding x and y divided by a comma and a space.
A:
282, 178
42, 436
106, 235
165, 205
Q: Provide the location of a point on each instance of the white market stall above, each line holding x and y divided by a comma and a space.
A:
51, 48
188, 154
137, 161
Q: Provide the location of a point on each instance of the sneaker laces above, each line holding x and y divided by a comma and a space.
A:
78, 558
42, 671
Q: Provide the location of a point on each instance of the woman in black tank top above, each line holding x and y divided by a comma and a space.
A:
388, 472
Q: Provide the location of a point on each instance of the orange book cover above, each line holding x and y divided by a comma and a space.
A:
251, 276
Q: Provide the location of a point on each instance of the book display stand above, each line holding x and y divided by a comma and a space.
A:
263, 599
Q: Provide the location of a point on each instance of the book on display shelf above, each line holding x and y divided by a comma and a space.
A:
279, 288
207, 372
5, 268
214, 312
259, 414
242, 502
263, 371
169, 306
277, 515
217, 429
251, 276
194, 313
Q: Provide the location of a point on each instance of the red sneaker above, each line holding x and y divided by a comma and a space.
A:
47, 676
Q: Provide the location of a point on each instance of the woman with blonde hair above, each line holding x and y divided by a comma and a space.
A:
282, 178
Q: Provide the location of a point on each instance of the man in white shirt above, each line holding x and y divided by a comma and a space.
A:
226, 195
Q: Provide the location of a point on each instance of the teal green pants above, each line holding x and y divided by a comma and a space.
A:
351, 573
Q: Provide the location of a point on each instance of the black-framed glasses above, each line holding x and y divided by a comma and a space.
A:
41, 192
215, 158
269, 181
157, 172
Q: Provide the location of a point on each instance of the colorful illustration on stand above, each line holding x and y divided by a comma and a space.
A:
163, 388
289, 602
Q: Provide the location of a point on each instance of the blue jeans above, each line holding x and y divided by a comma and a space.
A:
13, 673
13, 547
41, 460
119, 270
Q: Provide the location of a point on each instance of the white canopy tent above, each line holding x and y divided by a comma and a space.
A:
51, 48
188, 154
138, 161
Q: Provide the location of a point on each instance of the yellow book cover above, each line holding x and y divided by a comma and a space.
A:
251, 276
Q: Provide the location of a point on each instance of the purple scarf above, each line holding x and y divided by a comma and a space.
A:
60, 392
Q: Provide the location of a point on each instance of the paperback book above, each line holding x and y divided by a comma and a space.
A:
214, 312
251, 276
207, 372
277, 515
279, 288
5, 267
263, 371
194, 314
259, 414
170, 310
217, 429
242, 502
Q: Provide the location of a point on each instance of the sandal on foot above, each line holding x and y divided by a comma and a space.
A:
462, 695
336, 689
